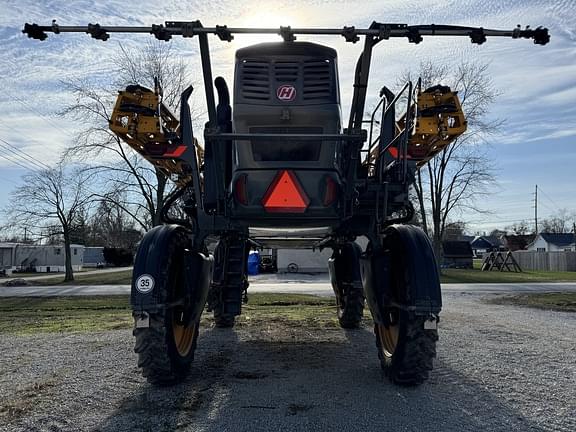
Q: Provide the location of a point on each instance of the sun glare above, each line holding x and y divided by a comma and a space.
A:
265, 19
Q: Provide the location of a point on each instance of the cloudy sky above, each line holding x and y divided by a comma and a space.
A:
538, 84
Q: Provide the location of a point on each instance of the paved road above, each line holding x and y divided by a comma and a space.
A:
315, 288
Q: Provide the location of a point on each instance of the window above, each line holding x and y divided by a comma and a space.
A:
567, 249
57, 251
75, 251
540, 249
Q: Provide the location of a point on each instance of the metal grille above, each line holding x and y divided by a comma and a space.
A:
317, 82
255, 80
286, 71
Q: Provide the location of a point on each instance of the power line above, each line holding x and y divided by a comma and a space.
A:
550, 199
19, 150
28, 138
15, 157
18, 163
23, 156
43, 116
33, 109
548, 207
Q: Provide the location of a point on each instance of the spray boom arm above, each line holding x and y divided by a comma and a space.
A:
413, 33
376, 33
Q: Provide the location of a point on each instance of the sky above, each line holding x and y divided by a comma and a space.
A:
537, 83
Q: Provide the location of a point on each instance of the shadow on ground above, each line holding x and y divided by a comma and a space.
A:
320, 380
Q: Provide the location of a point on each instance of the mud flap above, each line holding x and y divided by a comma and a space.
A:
402, 274
198, 277
150, 272
332, 273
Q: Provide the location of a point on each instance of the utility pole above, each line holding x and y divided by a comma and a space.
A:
536, 211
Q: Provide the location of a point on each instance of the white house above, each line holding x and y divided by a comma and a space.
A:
547, 242
42, 258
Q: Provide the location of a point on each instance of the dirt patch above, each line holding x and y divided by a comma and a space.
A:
24, 400
249, 375
294, 409
16, 283
558, 301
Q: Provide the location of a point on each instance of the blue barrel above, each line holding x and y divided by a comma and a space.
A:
253, 262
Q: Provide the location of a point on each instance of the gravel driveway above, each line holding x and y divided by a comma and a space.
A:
500, 368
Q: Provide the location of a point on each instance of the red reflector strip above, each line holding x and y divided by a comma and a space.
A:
240, 192
177, 152
285, 195
331, 191
394, 153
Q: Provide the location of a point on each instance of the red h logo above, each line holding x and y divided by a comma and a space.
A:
286, 93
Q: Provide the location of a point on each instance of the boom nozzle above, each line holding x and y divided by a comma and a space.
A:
35, 31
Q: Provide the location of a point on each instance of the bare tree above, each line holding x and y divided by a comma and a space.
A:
455, 230
50, 198
111, 227
519, 228
562, 222
124, 173
453, 180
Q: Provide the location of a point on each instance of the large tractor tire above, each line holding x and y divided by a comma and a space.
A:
347, 285
166, 347
405, 348
229, 281
215, 300
406, 336
223, 320
351, 310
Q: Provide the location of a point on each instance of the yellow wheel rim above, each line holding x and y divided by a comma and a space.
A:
388, 338
183, 336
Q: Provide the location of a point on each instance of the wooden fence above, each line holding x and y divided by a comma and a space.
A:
546, 261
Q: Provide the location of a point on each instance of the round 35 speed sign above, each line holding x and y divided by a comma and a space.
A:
145, 283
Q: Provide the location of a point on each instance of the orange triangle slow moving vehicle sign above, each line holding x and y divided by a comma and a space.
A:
285, 195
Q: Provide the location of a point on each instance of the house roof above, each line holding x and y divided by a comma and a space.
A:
457, 249
559, 240
495, 241
481, 242
518, 242
467, 238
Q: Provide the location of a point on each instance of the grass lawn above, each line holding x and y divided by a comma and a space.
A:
565, 301
105, 278
477, 263
85, 314
477, 276
27, 315
31, 315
